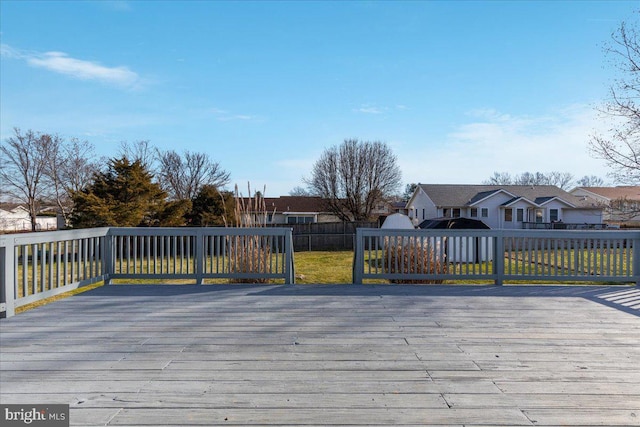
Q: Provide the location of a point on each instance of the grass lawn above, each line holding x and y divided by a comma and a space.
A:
318, 267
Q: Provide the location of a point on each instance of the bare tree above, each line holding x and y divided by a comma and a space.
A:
70, 167
182, 176
530, 178
620, 147
300, 192
51, 170
139, 151
354, 177
590, 181
499, 178
24, 161
563, 180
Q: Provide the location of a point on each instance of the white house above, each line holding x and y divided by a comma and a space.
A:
621, 204
17, 218
502, 207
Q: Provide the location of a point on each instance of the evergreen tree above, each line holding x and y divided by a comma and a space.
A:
211, 208
122, 196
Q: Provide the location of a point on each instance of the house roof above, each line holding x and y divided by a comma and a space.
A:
295, 204
456, 195
630, 192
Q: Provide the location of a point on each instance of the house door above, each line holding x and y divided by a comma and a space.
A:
539, 215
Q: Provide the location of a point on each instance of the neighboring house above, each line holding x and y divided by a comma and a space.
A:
297, 210
308, 209
502, 206
16, 218
621, 204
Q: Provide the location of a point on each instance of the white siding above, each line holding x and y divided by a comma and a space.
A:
515, 224
421, 207
583, 216
19, 220
493, 204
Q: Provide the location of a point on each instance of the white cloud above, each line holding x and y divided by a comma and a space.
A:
499, 142
369, 109
374, 109
62, 63
235, 117
226, 116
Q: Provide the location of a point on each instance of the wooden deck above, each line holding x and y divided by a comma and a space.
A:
329, 355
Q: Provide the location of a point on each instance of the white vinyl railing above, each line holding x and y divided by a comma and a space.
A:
430, 256
35, 266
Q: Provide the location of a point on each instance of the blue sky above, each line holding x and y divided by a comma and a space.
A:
457, 89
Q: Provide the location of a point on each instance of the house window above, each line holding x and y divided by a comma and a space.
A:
424, 216
445, 212
474, 213
508, 215
553, 215
299, 219
456, 213
484, 212
520, 215
539, 215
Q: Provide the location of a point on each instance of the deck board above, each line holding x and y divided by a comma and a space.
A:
329, 355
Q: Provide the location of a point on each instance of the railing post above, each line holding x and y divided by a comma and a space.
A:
108, 257
358, 257
199, 255
498, 258
289, 272
636, 260
7, 277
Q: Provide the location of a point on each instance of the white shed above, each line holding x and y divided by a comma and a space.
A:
397, 221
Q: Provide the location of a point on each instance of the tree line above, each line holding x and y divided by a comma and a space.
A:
145, 186
141, 186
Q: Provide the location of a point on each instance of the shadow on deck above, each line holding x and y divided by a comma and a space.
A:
624, 298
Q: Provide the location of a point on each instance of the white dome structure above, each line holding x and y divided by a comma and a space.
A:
398, 221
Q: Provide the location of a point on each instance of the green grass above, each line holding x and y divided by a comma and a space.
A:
57, 297
324, 267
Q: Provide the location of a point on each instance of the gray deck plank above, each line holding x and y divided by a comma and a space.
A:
328, 355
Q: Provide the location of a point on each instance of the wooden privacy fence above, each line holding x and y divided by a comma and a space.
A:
432, 256
35, 266
327, 236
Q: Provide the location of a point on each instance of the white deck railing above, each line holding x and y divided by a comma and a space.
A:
35, 266
497, 255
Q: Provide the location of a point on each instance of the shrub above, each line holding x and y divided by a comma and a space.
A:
413, 257
250, 254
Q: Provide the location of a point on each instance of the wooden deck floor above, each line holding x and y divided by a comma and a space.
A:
329, 355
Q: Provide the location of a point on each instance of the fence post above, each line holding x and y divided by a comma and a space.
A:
289, 272
108, 257
498, 258
7, 277
636, 260
199, 256
358, 257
